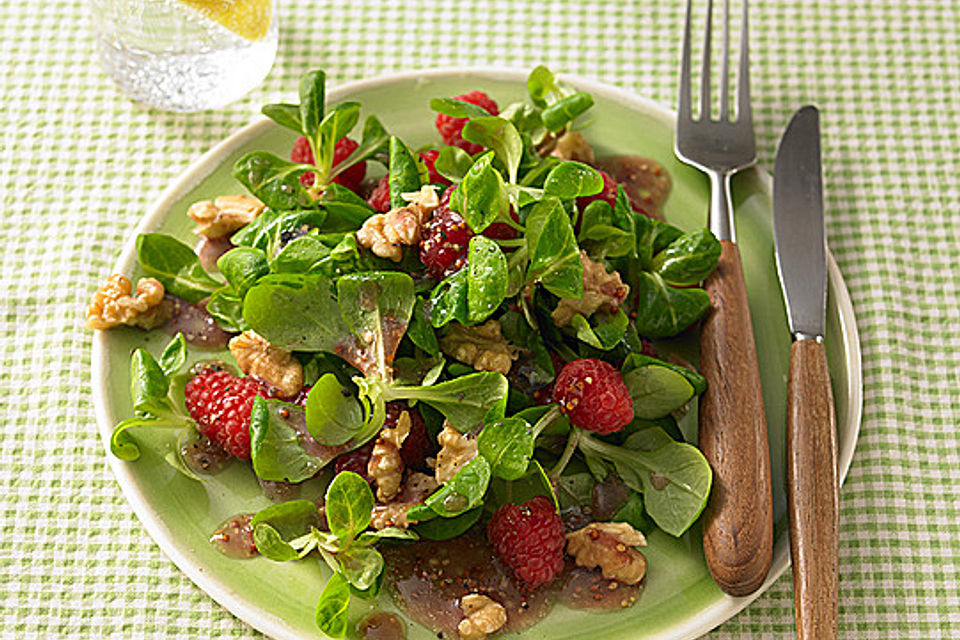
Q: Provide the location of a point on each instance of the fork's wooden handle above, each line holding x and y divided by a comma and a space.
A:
738, 522
812, 491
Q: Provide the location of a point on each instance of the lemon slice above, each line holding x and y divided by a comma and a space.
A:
249, 19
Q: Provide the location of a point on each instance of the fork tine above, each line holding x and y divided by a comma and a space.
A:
705, 73
744, 114
725, 71
684, 109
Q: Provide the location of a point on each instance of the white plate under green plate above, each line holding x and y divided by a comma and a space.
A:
680, 599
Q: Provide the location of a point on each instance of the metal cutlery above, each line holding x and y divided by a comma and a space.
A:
800, 242
738, 523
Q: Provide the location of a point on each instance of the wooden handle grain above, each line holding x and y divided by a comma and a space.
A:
738, 522
812, 491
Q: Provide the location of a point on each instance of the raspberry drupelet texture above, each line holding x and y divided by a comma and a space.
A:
429, 159
529, 538
451, 128
380, 198
220, 404
351, 178
444, 240
593, 394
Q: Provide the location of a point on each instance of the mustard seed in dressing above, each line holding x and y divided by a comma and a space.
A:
234, 538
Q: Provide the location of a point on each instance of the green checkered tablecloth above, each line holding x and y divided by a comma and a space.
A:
79, 164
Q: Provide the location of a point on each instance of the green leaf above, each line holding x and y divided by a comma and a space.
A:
174, 356
227, 309
500, 135
175, 265
286, 115
361, 566
541, 83
335, 125
487, 279
453, 163
571, 179
448, 300
290, 519
575, 489
277, 445
312, 98
674, 479
333, 415
457, 108
633, 513
420, 332
697, 381
331, 613
534, 482
123, 446
508, 446
553, 251
148, 385
296, 312
387, 533
242, 267
563, 111
274, 180
659, 388
376, 307
375, 141
483, 198
663, 311
464, 401
404, 173
346, 211
689, 259
299, 255
271, 545
447, 528
349, 505
604, 332
267, 229
462, 492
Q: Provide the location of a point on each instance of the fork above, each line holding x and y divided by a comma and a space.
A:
738, 523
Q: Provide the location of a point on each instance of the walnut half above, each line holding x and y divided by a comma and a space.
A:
223, 215
601, 290
113, 304
386, 233
610, 546
483, 347
394, 513
386, 463
274, 365
482, 616
456, 450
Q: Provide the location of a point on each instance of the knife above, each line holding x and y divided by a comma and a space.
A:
799, 237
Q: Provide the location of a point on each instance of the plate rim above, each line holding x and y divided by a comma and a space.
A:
722, 610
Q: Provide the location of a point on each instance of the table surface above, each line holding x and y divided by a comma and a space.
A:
79, 164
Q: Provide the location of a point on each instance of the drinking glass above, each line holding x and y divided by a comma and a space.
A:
185, 55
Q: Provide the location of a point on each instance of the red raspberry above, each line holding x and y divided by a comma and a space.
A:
429, 158
351, 178
593, 394
444, 240
501, 230
220, 404
608, 194
380, 198
529, 539
450, 128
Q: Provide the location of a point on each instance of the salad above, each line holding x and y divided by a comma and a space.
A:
468, 355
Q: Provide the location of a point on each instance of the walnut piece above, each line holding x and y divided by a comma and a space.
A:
386, 463
573, 146
482, 616
384, 233
456, 450
274, 365
610, 546
224, 215
601, 290
112, 304
394, 513
483, 347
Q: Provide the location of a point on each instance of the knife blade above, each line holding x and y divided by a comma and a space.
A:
800, 241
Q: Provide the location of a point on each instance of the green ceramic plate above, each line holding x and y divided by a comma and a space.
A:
680, 600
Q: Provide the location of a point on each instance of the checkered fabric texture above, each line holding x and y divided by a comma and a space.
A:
79, 164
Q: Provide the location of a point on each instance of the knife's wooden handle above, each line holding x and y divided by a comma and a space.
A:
812, 491
738, 522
